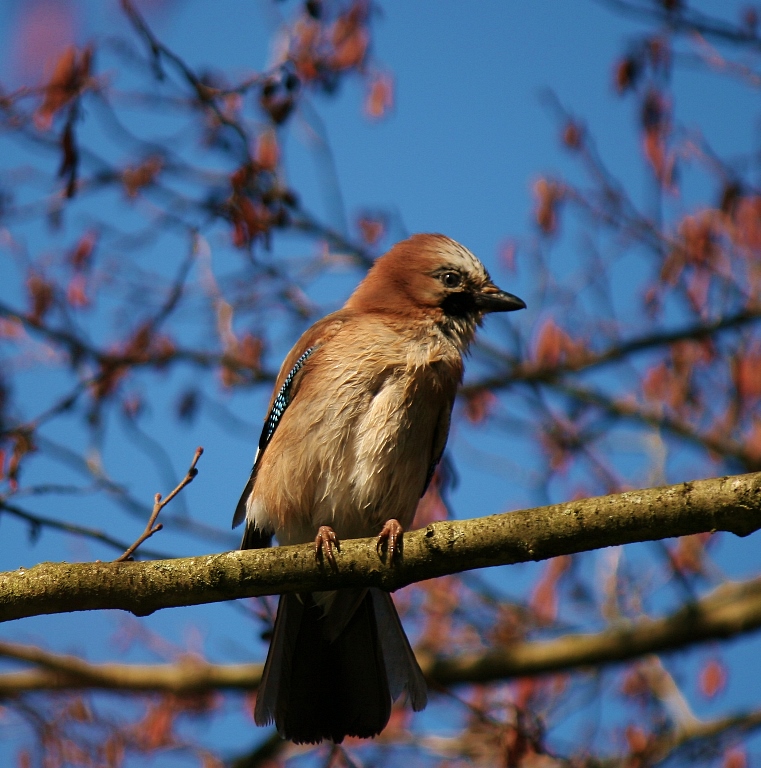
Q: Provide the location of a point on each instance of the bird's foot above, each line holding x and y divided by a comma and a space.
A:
391, 533
324, 542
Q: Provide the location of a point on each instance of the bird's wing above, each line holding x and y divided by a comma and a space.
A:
255, 538
286, 387
440, 436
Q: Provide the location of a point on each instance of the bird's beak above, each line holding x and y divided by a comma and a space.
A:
492, 299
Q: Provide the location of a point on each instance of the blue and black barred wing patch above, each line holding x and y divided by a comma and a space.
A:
281, 402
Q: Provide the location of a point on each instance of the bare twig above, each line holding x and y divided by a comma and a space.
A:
152, 526
205, 94
726, 447
126, 501
528, 372
688, 20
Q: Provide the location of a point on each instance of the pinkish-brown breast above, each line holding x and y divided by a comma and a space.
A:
370, 416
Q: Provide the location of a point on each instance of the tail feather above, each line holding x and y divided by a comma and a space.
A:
317, 685
276, 677
404, 672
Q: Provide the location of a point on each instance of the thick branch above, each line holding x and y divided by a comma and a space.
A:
723, 504
730, 610
59, 671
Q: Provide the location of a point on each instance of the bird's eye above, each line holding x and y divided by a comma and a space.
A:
451, 279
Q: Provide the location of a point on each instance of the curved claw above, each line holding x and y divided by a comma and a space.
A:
324, 542
391, 533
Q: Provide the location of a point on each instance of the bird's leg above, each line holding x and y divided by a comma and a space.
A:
391, 533
323, 545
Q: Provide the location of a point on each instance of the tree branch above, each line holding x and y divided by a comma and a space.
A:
724, 504
728, 611
529, 372
687, 20
78, 348
60, 671
620, 408
204, 94
37, 522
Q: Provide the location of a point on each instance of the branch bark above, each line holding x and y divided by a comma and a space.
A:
722, 504
730, 610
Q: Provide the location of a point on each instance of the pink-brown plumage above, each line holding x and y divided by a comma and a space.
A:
370, 414
365, 418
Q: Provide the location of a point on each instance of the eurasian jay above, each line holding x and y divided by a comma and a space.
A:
357, 424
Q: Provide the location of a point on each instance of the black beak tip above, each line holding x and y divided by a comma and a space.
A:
500, 301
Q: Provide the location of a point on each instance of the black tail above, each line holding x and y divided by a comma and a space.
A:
315, 687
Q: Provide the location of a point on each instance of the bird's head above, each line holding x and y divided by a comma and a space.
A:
433, 277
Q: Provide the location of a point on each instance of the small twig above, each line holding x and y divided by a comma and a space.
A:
614, 353
206, 95
152, 526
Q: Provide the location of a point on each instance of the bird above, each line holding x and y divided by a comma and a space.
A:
357, 423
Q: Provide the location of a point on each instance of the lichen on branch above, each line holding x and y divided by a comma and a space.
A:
730, 504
